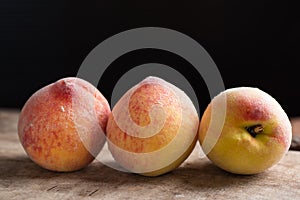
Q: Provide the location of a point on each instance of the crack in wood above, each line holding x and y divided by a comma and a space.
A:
90, 194
52, 188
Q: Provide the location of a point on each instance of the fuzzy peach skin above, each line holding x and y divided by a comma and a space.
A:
238, 150
153, 128
60, 125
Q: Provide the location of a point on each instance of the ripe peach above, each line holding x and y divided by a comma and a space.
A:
60, 125
153, 128
256, 133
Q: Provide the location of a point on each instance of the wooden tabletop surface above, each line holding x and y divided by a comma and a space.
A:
196, 178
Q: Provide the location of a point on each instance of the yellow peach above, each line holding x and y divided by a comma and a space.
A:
256, 133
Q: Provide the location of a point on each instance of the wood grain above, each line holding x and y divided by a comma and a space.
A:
196, 178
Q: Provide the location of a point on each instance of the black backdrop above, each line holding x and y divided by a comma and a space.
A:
253, 43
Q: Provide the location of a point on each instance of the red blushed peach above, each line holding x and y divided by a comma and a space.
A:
152, 128
60, 125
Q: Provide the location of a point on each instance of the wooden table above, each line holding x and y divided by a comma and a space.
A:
196, 178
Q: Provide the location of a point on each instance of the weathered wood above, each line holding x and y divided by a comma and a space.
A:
196, 178
296, 134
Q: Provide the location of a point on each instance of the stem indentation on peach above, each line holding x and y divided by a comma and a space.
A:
255, 129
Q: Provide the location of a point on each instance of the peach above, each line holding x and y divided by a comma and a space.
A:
153, 128
255, 135
61, 126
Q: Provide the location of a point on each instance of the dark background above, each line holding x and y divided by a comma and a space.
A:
253, 43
